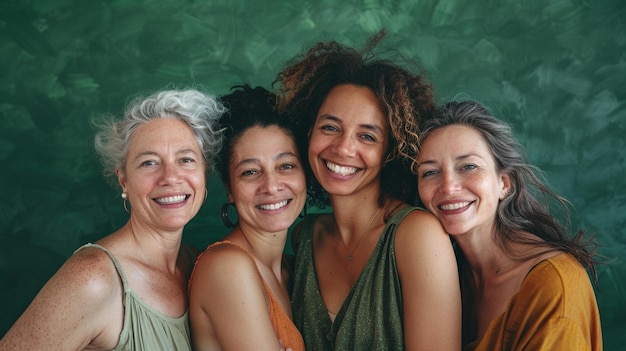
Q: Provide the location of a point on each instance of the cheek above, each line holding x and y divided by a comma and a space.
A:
314, 148
236, 193
300, 185
199, 179
313, 155
425, 191
427, 195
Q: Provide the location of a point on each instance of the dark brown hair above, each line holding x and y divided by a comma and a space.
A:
404, 96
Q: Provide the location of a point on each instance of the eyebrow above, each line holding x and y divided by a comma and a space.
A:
458, 158
179, 152
372, 127
275, 158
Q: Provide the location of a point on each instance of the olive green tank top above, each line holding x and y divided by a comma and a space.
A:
146, 329
370, 317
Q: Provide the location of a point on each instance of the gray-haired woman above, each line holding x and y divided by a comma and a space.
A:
128, 291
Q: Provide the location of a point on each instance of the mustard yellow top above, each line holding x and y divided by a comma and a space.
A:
555, 309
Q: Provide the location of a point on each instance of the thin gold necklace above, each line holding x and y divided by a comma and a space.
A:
362, 235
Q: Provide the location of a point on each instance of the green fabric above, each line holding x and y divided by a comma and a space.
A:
146, 329
370, 317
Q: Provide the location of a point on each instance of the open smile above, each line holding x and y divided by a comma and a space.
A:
341, 170
275, 206
454, 206
169, 200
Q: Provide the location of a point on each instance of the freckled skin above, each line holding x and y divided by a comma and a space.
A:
81, 305
460, 169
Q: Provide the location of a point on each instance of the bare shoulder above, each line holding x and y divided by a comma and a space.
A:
220, 263
225, 282
79, 304
421, 235
419, 223
90, 272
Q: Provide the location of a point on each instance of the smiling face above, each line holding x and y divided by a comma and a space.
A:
348, 141
458, 180
164, 175
267, 181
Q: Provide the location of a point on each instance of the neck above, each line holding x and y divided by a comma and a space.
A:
267, 248
157, 249
485, 259
355, 208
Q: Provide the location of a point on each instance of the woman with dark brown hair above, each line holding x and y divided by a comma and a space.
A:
375, 273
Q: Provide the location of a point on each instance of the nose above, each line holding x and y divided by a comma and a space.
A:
450, 183
272, 183
171, 173
345, 146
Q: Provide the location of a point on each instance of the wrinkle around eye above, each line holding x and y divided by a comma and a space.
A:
329, 128
469, 167
428, 173
369, 137
249, 173
148, 163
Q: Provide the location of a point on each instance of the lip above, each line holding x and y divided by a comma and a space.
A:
339, 170
454, 207
171, 199
274, 205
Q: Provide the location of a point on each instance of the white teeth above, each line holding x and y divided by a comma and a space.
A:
171, 199
455, 206
274, 207
344, 171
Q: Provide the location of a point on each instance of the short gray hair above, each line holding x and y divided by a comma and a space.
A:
200, 111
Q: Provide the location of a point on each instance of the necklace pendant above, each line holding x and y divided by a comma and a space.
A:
350, 258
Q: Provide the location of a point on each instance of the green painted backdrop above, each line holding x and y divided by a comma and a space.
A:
554, 69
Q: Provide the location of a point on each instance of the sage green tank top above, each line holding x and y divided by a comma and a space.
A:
370, 317
146, 329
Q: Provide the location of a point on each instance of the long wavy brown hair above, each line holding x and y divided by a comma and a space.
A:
404, 96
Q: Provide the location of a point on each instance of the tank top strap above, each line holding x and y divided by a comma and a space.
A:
400, 214
116, 263
228, 242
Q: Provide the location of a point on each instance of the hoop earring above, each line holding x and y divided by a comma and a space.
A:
225, 218
126, 205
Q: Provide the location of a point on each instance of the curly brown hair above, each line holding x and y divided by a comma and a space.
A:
404, 96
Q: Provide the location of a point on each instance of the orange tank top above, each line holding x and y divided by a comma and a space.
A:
285, 330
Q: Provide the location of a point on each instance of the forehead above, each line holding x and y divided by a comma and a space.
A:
351, 101
164, 131
455, 139
259, 140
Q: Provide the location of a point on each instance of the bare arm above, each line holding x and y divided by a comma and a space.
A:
228, 305
80, 305
430, 284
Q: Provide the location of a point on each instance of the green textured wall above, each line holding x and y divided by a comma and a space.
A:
554, 69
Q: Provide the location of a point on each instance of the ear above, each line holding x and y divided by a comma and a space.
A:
229, 193
505, 185
121, 179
